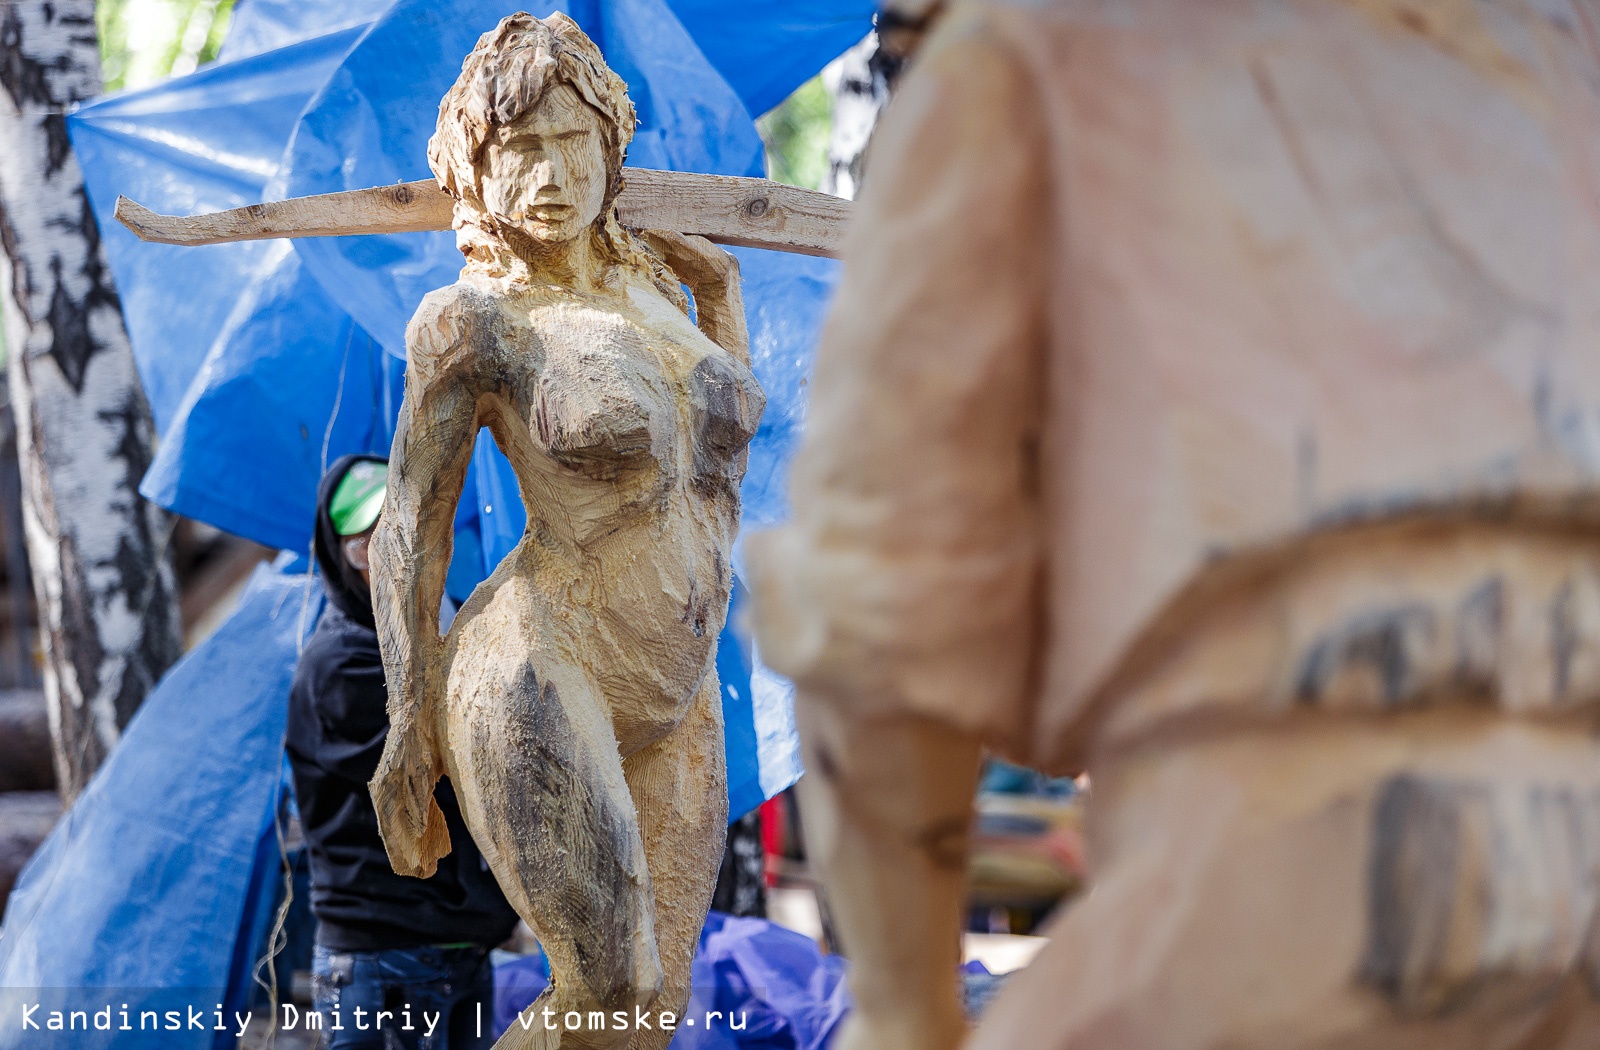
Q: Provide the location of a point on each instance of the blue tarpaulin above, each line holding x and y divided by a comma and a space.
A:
264, 361
134, 899
763, 48
246, 349
754, 986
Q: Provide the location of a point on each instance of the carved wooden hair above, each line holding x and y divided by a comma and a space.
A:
504, 77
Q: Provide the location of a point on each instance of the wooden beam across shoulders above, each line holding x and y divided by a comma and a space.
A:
753, 213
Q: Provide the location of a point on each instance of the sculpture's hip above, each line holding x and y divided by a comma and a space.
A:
635, 617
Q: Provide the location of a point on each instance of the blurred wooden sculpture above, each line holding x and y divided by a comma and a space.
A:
1212, 401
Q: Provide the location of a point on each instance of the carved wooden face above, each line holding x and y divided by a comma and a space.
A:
546, 170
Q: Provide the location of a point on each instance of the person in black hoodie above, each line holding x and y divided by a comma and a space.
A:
417, 949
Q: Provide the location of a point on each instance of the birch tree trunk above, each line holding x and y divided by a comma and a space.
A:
107, 603
862, 80
860, 88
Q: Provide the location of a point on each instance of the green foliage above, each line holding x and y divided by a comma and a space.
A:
142, 41
796, 134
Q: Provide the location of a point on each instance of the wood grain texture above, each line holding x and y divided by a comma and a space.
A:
574, 702
1194, 410
724, 209
752, 213
406, 208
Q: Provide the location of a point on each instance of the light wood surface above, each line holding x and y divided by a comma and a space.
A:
407, 208
749, 213
752, 213
574, 702
1187, 416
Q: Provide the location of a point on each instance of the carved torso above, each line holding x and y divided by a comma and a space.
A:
625, 425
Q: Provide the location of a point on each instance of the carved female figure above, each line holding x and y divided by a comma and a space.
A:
574, 703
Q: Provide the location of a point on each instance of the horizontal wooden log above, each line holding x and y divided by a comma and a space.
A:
750, 213
25, 763
754, 213
408, 208
26, 817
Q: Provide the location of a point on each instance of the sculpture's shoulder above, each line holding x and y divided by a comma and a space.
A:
451, 326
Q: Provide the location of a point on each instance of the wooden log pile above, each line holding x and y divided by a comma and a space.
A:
29, 805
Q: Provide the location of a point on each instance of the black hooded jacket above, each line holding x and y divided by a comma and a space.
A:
338, 720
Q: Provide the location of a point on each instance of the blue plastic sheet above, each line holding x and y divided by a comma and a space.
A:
203, 142
764, 48
326, 112
136, 895
772, 987
266, 25
768, 48
517, 983
776, 982
265, 361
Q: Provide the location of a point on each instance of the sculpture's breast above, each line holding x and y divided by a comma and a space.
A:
725, 404
600, 404
613, 392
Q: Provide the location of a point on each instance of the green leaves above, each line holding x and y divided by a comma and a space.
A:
142, 41
796, 134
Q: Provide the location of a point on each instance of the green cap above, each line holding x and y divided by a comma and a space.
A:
359, 498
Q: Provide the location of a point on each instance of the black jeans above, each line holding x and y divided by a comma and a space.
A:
404, 998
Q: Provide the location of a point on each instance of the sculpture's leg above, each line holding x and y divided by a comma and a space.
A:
542, 791
679, 786
887, 807
1413, 882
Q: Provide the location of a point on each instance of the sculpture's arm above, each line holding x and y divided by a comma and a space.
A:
903, 597
888, 808
410, 556
713, 277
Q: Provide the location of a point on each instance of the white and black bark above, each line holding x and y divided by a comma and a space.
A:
102, 578
860, 89
862, 80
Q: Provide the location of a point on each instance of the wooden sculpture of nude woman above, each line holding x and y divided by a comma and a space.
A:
574, 703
